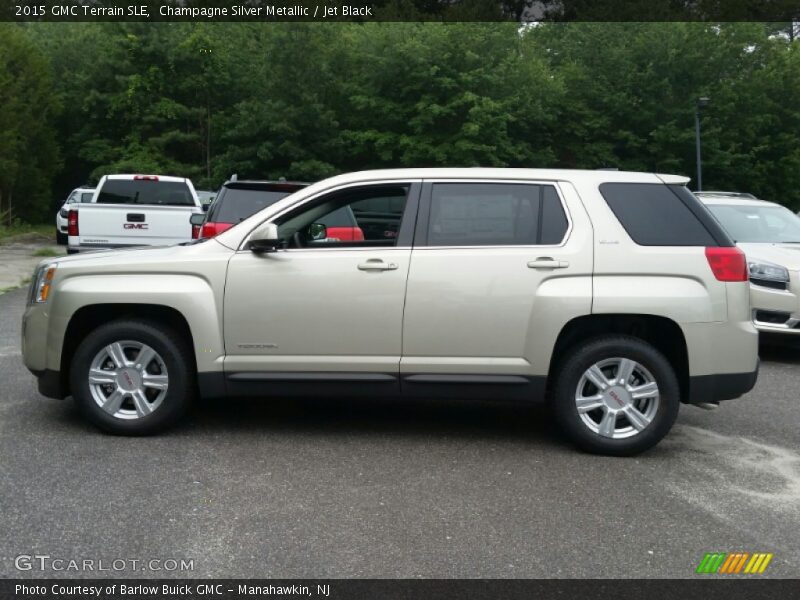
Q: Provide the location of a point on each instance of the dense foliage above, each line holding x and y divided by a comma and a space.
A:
304, 101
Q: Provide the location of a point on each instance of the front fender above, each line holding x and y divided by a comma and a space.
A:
191, 295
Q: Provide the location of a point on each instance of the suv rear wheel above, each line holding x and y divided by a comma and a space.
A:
616, 395
133, 377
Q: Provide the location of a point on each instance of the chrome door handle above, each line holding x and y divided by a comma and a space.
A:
376, 264
545, 262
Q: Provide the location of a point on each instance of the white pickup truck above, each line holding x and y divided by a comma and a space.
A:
134, 210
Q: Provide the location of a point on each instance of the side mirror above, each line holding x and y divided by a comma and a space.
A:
317, 232
197, 219
264, 238
205, 207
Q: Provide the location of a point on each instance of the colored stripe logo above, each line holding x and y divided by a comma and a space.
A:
734, 563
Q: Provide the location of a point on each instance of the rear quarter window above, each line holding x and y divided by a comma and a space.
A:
653, 214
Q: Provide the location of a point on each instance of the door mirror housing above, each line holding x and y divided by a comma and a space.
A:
197, 219
264, 238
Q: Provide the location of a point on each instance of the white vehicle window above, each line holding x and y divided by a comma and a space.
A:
758, 224
357, 217
145, 191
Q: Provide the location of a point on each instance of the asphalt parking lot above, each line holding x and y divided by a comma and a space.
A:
390, 489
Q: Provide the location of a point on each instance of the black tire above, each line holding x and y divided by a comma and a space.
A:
177, 356
598, 349
61, 238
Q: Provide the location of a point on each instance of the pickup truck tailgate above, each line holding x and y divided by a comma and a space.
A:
110, 225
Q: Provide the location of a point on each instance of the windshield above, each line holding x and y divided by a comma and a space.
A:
758, 224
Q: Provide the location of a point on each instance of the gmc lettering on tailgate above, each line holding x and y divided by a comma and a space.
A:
135, 226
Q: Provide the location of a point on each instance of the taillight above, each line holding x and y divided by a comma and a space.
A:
195, 232
727, 264
145, 177
211, 229
72, 223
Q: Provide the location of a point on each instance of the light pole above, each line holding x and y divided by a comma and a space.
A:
701, 103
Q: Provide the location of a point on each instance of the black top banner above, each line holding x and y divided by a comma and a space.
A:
399, 10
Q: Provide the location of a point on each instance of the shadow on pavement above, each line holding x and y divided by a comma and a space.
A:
779, 349
468, 419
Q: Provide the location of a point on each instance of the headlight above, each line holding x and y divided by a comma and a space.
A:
64, 213
40, 290
767, 271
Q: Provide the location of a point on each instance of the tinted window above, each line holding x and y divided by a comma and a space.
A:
379, 216
494, 214
655, 216
554, 222
143, 191
369, 216
342, 217
235, 204
86, 196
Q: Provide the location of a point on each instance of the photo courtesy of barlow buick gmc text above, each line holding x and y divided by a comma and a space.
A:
400, 299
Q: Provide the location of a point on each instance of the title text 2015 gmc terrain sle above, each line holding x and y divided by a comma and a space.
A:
614, 295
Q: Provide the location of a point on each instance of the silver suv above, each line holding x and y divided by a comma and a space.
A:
615, 296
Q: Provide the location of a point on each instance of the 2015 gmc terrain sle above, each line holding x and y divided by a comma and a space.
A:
614, 295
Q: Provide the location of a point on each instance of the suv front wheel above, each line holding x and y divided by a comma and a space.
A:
616, 395
133, 377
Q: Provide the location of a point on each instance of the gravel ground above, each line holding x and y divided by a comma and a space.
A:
17, 258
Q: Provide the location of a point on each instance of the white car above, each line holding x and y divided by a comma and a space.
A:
769, 235
134, 210
81, 194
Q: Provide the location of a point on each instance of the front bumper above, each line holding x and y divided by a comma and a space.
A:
777, 310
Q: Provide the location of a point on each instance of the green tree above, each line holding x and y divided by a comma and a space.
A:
28, 152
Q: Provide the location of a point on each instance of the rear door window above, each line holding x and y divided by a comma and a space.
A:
495, 214
654, 215
145, 191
